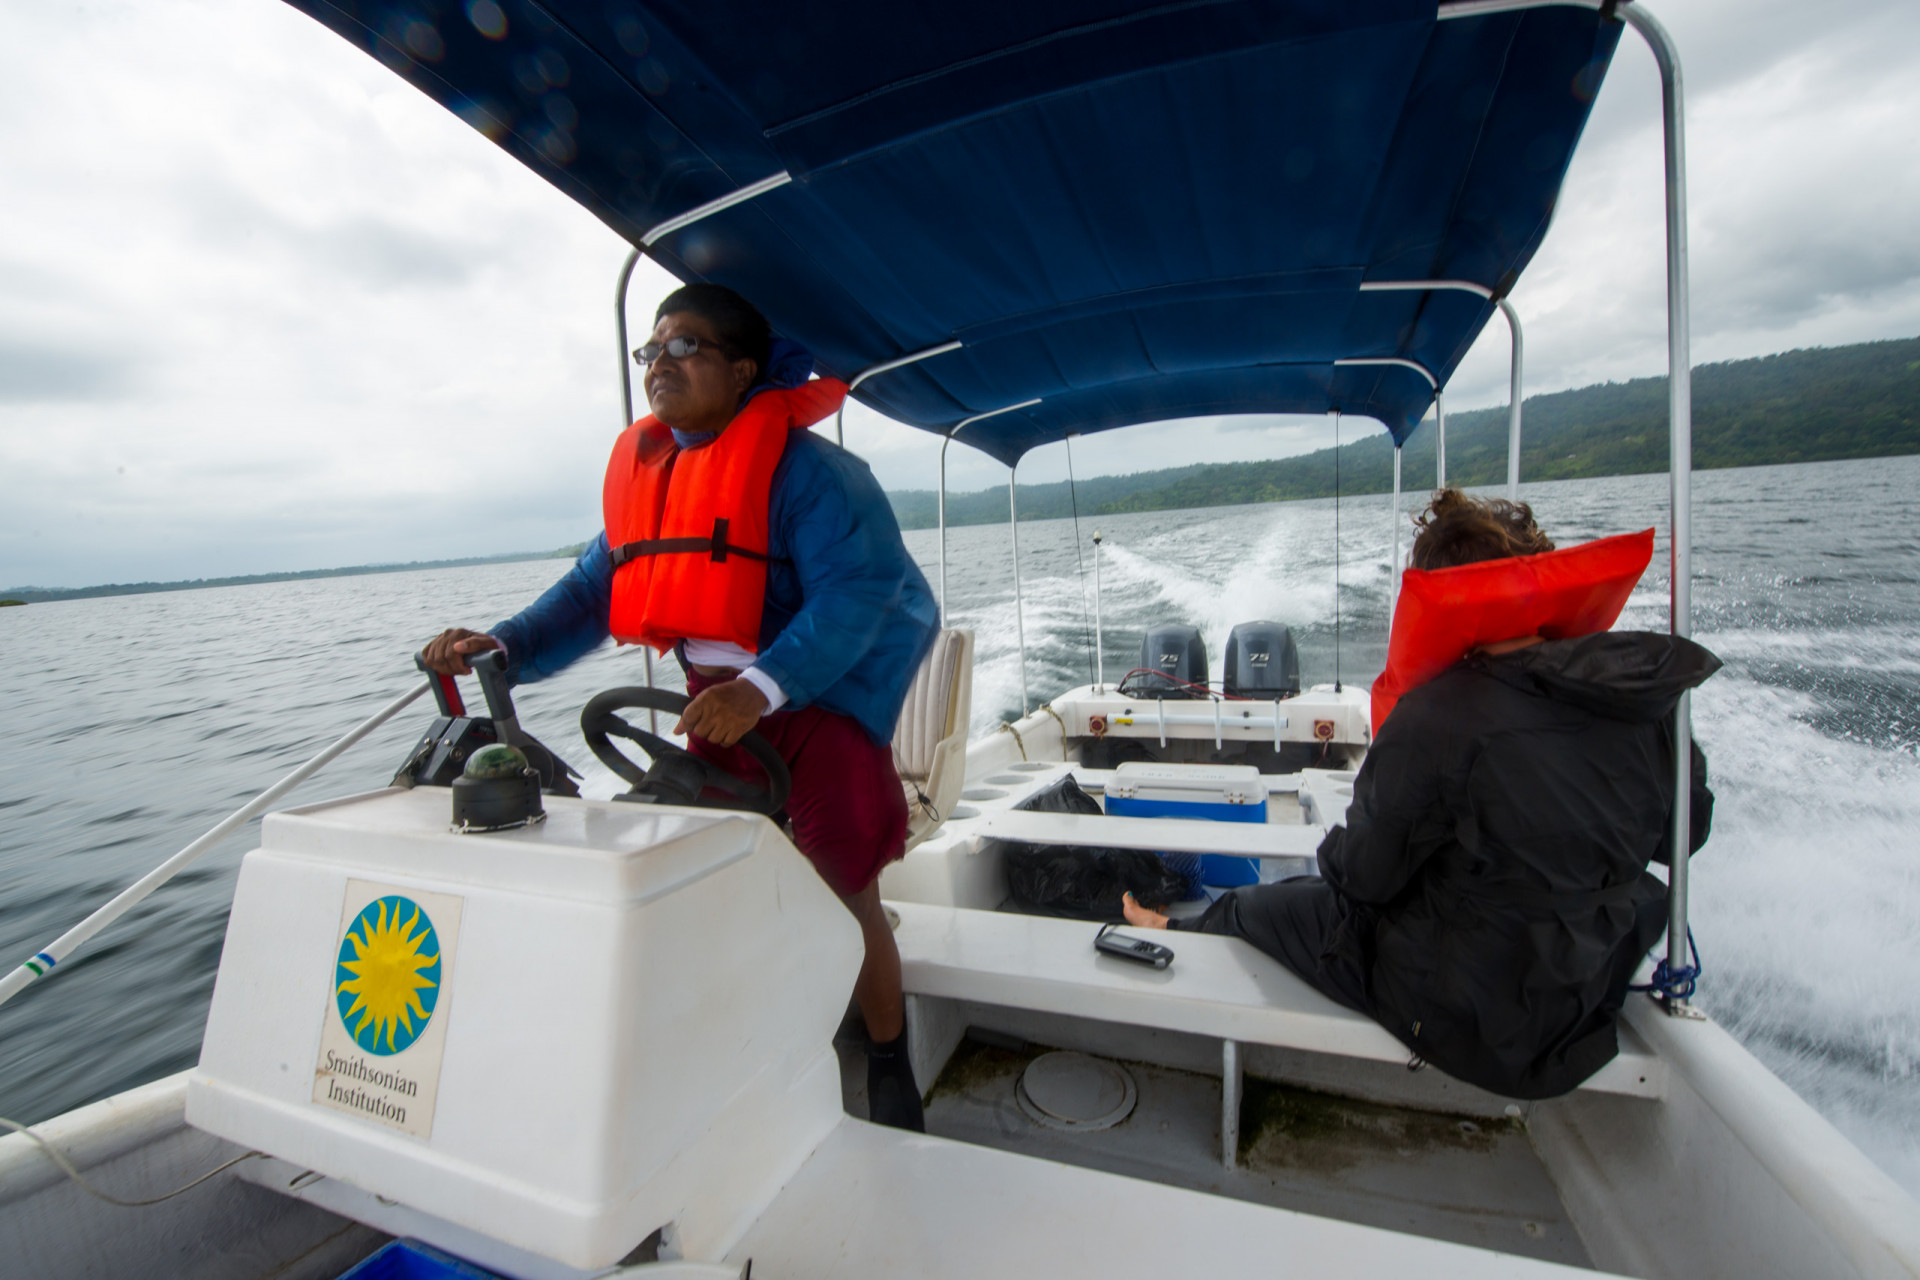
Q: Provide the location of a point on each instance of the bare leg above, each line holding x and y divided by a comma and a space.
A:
877, 989
893, 1098
1138, 916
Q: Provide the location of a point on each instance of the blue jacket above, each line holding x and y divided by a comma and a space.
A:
847, 621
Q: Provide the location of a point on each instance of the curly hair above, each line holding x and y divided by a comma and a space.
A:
1456, 529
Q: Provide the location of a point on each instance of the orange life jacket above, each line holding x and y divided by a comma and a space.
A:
1443, 613
688, 528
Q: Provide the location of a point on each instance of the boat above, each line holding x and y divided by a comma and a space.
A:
619, 1049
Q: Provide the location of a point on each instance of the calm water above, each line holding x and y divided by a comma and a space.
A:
129, 725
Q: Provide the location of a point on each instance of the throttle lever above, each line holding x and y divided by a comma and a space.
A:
491, 667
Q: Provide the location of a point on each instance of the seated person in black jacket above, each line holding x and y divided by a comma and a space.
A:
1488, 899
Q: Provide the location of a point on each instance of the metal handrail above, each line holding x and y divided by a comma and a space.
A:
1679, 418
1397, 362
956, 429
1440, 413
1680, 415
885, 366
43, 961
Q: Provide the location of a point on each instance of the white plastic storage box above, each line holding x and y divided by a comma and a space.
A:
1219, 792
559, 1038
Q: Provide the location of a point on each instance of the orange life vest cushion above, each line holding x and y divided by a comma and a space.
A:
1444, 613
656, 491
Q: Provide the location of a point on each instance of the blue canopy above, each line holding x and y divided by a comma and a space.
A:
1130, 214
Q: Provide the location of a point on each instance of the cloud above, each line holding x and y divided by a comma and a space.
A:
36, 372
265, 306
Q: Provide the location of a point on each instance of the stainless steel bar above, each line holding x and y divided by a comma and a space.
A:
1099, 646
1422, 286
1480, 8
1244, 720
1513, 329
1680, 415
1513, 411
1229, 1103
1395, 361
1393, 583
43, 962
943, 525
1019, 616
699, 212
957, 427
620, 332
667, 228
626, 411
885, 366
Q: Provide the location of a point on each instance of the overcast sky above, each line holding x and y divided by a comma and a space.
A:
263, 306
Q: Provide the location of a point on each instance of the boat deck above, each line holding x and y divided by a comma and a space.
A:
1468, 1180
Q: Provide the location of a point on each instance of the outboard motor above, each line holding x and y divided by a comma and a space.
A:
1262, 661
1171, 649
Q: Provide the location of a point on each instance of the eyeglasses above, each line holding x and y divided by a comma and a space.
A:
679, 348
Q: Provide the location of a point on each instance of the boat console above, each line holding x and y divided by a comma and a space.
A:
562, 1037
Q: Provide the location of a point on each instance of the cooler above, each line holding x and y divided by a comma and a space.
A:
1219, 792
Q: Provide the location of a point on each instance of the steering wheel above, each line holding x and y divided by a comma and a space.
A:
678, 776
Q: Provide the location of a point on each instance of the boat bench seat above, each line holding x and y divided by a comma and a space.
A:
1217, 987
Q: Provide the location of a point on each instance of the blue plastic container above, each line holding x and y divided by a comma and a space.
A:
1217, 793
416, 1260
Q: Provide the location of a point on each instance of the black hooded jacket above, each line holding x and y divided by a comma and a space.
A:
1494, 860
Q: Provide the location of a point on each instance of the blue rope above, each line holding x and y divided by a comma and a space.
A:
1674, 984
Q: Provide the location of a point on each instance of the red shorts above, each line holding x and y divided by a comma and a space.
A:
848, 810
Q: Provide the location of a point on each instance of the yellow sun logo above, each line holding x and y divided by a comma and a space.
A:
388, 978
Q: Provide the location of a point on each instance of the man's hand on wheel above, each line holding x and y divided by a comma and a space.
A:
724, 713
447, 652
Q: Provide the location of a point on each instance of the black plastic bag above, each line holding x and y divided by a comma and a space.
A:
1080, 881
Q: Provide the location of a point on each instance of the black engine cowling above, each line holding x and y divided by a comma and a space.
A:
1262, 661
1171, 649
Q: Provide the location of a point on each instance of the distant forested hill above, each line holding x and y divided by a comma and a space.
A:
1802, 406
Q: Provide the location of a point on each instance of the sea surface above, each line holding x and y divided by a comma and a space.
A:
129, 725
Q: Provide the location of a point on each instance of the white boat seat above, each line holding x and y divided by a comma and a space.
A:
930, 744
1218, 987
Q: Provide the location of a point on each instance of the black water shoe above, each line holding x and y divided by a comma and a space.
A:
893, 1098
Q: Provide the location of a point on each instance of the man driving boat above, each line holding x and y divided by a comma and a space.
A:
807, 629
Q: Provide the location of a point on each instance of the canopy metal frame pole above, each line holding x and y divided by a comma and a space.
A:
1019, 611
647, 240
885, 366
140, 890
1514, 401
1680, 427
1396, 362
1680, 414
1393, 584
1514, 376
1099, 647
957, 428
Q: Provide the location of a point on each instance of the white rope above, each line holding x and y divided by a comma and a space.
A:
66, 1167
134, 894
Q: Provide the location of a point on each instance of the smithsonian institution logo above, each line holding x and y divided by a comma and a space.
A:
387, 980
